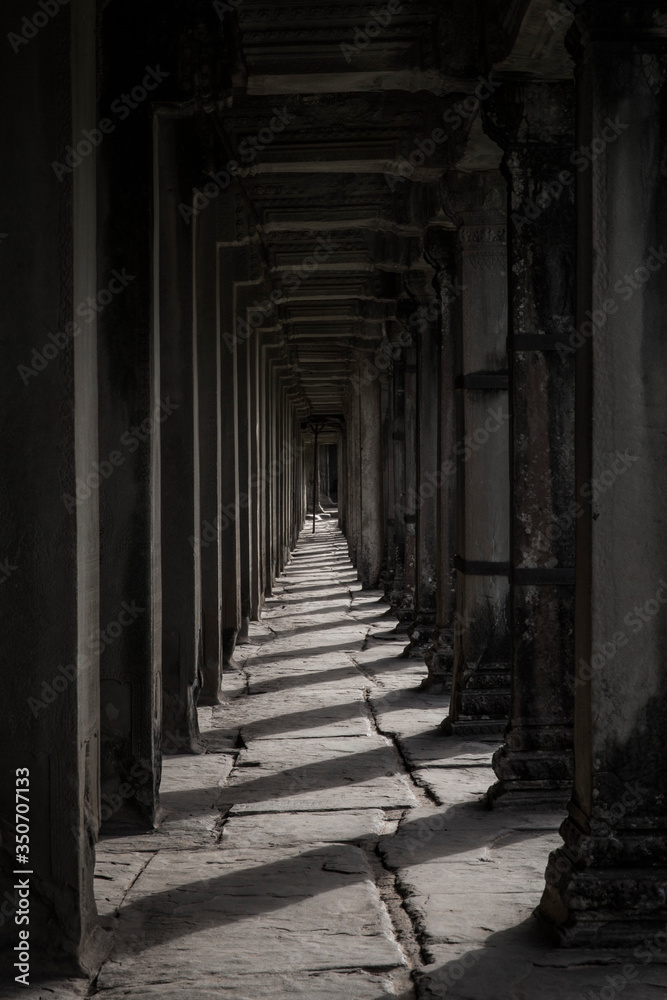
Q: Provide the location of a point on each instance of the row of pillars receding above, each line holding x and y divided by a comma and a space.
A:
506, 469
504, 480
156, 478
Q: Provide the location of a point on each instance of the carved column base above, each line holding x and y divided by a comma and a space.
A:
405, 622
531, 775
482, 701
422, 631
609, 889
439, 658
521, 796
472, 728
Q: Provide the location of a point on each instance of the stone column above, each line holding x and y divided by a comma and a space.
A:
49, 531
407, 506
229, 455
342, 482
387, 424
481, 678
369, 561
181, 572
209, 357
244, 296
129, 442
608, 885
353, 472
428, 359
256, 590
441, 251
398, 450
264, 433
534, 125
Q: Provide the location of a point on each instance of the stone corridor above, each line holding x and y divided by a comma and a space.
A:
331, 843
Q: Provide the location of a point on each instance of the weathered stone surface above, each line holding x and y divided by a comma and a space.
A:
276, 986
241, 911
50, 989
513, 972
458, 785
284, 829
333, 773
189, 799
114, 875
294, 716
260, 882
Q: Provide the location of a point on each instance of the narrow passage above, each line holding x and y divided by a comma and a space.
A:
331, 843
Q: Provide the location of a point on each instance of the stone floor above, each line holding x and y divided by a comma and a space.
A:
330, 844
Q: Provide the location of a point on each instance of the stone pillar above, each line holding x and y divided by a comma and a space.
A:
426, 505
243, 296
129, 442
369, 561
256, 589
608, 885
353, 448
229, 455
534, 125
398, 450
209, 357
181, 572
387, 425
481, 678
441, 250
264, 485
407, 505
49, 542
342, 482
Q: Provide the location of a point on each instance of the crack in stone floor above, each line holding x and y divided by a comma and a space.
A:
331, 843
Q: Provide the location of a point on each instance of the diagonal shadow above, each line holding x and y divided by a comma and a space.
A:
253, 890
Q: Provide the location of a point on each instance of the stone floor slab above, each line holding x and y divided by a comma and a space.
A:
449, 786
295, 716
190, 806
338, 773
263, 881
315, 985
284, 829
237, 912
114, 875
